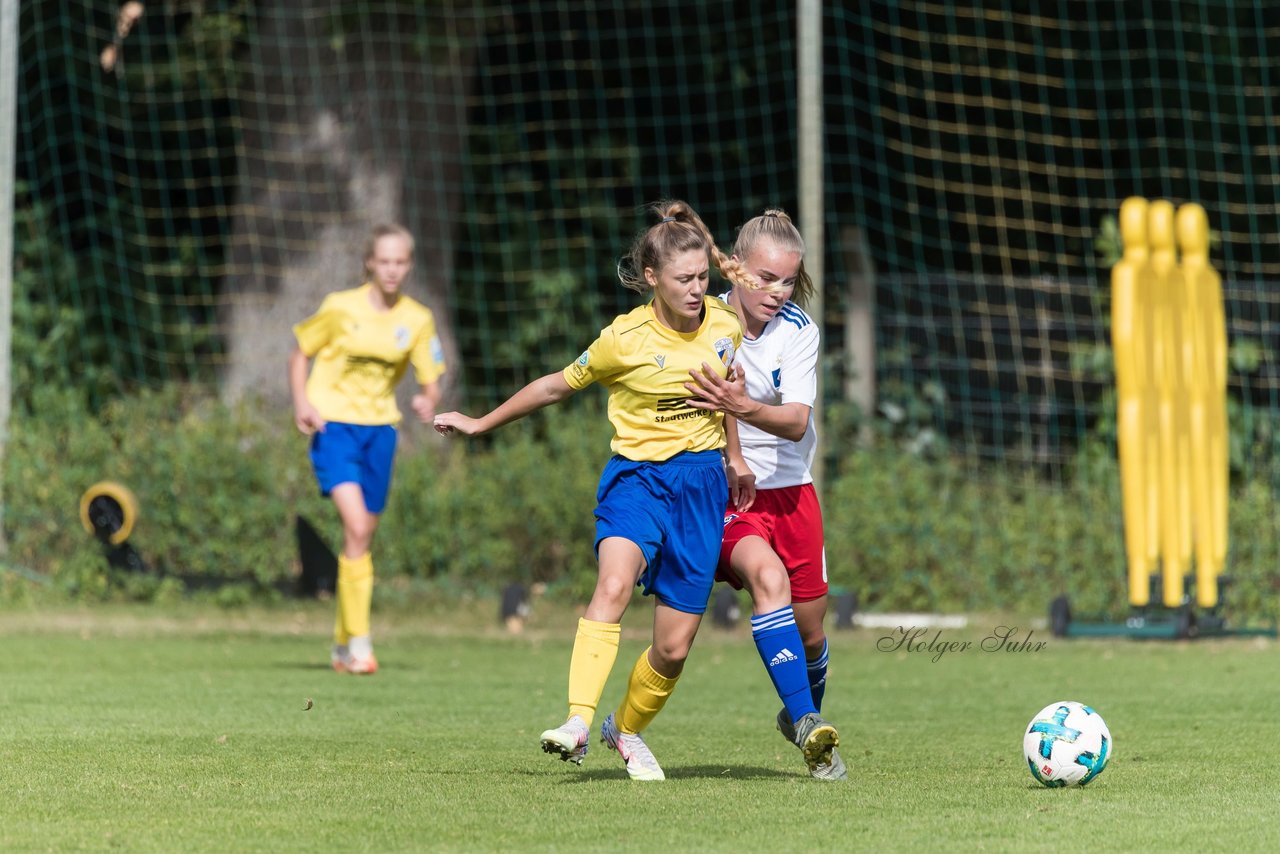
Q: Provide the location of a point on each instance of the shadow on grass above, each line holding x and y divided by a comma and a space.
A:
322, 663
689, 772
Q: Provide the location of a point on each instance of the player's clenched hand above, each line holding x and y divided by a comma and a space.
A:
424, 407
447, 423
742, 484
307, 419
714, 392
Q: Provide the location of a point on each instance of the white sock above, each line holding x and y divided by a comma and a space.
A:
361, 647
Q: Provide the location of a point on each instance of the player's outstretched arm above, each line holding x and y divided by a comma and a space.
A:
543, 391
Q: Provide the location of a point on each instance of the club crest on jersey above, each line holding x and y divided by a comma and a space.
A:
777, 377
402, 337
584, 358
724, 349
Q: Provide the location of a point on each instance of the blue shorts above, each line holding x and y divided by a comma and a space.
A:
674, 511
355, 453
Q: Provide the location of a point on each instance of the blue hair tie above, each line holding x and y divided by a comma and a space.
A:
668, 219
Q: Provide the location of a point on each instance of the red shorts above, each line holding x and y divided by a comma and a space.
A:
790, 521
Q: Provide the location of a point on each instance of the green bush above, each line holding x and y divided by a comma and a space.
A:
945, 534
220, 486
516, 507
217, 486
54, 348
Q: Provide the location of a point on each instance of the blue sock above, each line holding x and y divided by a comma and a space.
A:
818, 677
778, 641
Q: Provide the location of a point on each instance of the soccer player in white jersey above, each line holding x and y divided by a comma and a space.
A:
775, 548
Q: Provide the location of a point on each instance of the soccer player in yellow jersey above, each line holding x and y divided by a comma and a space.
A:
363, 341
659, 504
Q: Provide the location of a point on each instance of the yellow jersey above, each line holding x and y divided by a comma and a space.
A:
361, 353
645, 366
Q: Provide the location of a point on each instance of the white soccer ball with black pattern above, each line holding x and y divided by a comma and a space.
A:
1067, 744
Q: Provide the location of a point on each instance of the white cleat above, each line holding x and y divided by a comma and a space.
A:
641, 764
569, 740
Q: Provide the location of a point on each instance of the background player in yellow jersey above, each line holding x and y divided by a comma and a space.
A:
657, 517
363, 341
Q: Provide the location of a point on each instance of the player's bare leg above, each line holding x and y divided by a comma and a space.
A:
353, 644
652, 680
595, 646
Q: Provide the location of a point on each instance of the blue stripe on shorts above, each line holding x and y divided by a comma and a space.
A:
674, 511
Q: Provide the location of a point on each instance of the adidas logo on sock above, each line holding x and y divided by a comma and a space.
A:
783, 657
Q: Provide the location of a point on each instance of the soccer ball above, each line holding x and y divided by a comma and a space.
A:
1066, 744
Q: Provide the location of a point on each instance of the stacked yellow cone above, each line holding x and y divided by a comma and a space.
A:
1168, 335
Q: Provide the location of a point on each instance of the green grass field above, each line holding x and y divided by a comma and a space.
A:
141, 730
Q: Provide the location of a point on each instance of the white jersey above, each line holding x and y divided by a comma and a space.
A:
781, 367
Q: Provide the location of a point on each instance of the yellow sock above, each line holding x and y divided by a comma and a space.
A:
355, 594
595, 648
647, 693
340, 636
